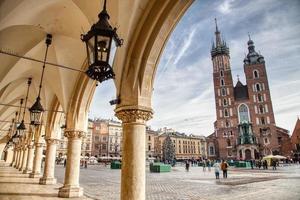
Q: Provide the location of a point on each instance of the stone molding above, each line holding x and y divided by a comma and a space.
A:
30, 146
74, 134
39, 144
50, 141
134, 115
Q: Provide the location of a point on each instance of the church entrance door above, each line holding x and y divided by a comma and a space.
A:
247, 154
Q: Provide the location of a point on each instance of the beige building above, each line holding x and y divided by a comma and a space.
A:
151, 136
186, 146
100, 138
114, 138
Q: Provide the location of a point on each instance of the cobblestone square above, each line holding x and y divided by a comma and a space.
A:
102, 183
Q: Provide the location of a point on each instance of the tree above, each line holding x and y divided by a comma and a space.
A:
168, 150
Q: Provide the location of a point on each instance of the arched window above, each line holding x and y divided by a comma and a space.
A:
223, 90
228, 142
226, 114
258, 87
227, 124
263, 120
243, 113
211, 150
225, 102
261, 109
260, 98
255, 74
222, 82
221, 73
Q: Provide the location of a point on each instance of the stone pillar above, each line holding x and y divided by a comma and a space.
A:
17, 157
252, 154
24, 160
48, 176
29, 163
20, 158
243, 154
133, 176
71, 183
14, 157
37, 162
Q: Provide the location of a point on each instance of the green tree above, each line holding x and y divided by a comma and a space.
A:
168, 150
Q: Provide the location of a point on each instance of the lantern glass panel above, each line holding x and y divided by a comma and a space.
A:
112, 52
103, 44
90, 46
36, 117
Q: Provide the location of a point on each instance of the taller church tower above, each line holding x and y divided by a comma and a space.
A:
226, 123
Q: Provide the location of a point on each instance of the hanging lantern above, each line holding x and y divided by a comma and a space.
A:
101, 45
21, 129
37, 110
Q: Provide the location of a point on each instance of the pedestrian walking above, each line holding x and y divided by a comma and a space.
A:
224, 167
209, 165
273, 164
187, 165
204, 165
217, 170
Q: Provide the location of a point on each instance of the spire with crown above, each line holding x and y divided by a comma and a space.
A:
220, 46
252, 57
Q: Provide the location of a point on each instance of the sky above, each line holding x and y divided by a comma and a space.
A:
183, 97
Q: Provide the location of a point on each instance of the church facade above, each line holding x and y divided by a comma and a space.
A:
245, 126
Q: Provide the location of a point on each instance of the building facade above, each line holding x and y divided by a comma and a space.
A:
186, 146
295, 139
245, 125
100, 138
151, 136
114, 138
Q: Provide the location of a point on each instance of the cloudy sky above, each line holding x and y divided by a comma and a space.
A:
183, 91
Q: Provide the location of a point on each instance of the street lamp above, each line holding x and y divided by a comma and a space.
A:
101, 45
22, 128
37, 110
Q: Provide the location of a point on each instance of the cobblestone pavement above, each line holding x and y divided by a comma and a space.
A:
103, 183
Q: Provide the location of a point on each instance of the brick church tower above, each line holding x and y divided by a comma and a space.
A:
245, 125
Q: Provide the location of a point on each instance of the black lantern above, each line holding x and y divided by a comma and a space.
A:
37, 110
22, 128
101, 45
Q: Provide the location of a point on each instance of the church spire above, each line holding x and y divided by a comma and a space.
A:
218, 35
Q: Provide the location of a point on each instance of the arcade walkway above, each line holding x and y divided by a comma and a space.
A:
14, 186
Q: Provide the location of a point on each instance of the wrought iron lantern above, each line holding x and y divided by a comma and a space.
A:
22, 128
37, 110
101, 45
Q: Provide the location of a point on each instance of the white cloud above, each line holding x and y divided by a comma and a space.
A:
225, 7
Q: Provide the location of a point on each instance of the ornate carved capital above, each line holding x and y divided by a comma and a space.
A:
74, 134
50, 141
134, 115
39, 144
30, 146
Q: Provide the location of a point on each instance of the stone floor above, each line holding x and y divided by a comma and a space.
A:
102, 183
17, 186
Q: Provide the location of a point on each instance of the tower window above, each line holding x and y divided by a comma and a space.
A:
228, 142
225, 102
255, 74
261, 109
221, 73
226, 114
260, 98
263, 122
222, 82
258, 87
223, 90
227, 124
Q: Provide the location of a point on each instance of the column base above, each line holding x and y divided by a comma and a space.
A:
70, 191
27, 171
34, 175
47, 181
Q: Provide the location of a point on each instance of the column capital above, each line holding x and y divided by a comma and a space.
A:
131, 115
74, 134
30, 146
51, 141
39, 144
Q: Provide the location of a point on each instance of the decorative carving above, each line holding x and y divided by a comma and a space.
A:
134, 115
39, 144
74, 134
30, 146
51, 141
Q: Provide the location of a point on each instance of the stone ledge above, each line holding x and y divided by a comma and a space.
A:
47, 181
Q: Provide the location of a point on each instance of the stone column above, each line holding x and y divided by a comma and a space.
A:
71, 183
29, 163
243, 154
14, 157
252, 154
24, 160
20, 158
133, 176
37, 162
17, 157
48, 176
